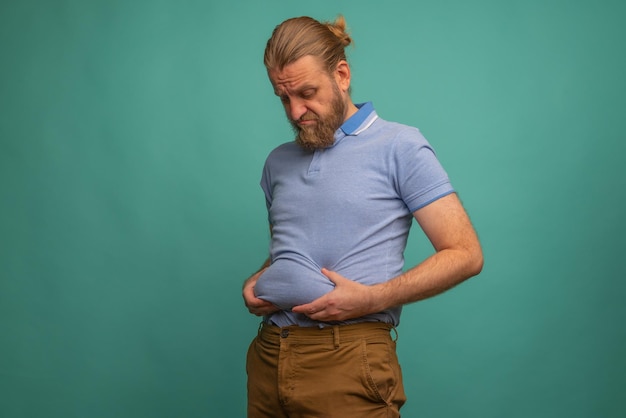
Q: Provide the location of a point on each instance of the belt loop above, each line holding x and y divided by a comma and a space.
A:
260, 328
336, 336
395, 331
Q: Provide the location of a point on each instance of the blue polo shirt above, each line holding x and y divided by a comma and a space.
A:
348, 208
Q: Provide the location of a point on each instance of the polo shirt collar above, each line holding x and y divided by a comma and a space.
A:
361, 120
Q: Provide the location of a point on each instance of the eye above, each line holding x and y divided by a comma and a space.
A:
308, 93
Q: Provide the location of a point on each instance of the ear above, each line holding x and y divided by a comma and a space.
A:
342, 75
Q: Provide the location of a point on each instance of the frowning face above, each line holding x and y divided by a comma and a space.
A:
316, 102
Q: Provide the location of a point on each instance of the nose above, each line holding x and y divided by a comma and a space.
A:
296, 109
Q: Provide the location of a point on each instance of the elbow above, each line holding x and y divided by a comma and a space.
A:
473, 261
477, 266
476, 262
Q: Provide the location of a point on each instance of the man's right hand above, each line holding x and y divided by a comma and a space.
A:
256, 306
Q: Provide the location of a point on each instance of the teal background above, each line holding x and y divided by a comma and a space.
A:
132, 136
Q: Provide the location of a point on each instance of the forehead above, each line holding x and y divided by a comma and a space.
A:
307, 69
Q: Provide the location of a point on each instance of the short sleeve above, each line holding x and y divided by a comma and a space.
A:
419, 176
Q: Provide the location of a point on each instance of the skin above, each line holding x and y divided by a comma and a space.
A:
304, 89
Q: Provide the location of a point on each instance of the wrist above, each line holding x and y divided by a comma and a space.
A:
390, 293
379, 297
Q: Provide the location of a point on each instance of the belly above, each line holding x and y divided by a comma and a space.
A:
288, 283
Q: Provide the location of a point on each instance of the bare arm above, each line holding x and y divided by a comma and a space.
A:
458, 256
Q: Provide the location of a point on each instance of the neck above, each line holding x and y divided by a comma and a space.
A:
351, 109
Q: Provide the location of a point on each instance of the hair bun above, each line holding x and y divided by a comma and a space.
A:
338, 28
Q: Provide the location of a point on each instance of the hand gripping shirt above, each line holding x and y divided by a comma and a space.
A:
348, 208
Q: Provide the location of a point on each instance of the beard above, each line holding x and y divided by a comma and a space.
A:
321, 134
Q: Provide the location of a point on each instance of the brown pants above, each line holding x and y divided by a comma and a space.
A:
342, 371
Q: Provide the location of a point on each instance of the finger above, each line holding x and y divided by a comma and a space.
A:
301, 308
262, 309
309, 308
333, 276
260, 304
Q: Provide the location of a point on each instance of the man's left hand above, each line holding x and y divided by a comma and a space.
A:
347, 300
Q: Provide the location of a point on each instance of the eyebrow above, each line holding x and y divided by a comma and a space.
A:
299, 90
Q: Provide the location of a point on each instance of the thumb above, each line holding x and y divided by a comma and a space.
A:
332, 276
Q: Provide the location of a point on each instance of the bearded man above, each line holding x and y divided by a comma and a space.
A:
341, 199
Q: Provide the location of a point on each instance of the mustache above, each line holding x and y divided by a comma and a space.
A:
307, 116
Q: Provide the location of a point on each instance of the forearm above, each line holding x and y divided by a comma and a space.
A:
438, 273
458, 256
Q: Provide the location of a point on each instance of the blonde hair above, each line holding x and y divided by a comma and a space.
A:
301, 36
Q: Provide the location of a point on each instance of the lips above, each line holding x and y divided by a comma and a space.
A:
307, 120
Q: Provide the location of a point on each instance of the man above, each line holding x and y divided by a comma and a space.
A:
341, 199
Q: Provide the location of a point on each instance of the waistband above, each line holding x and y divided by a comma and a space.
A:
330, 334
